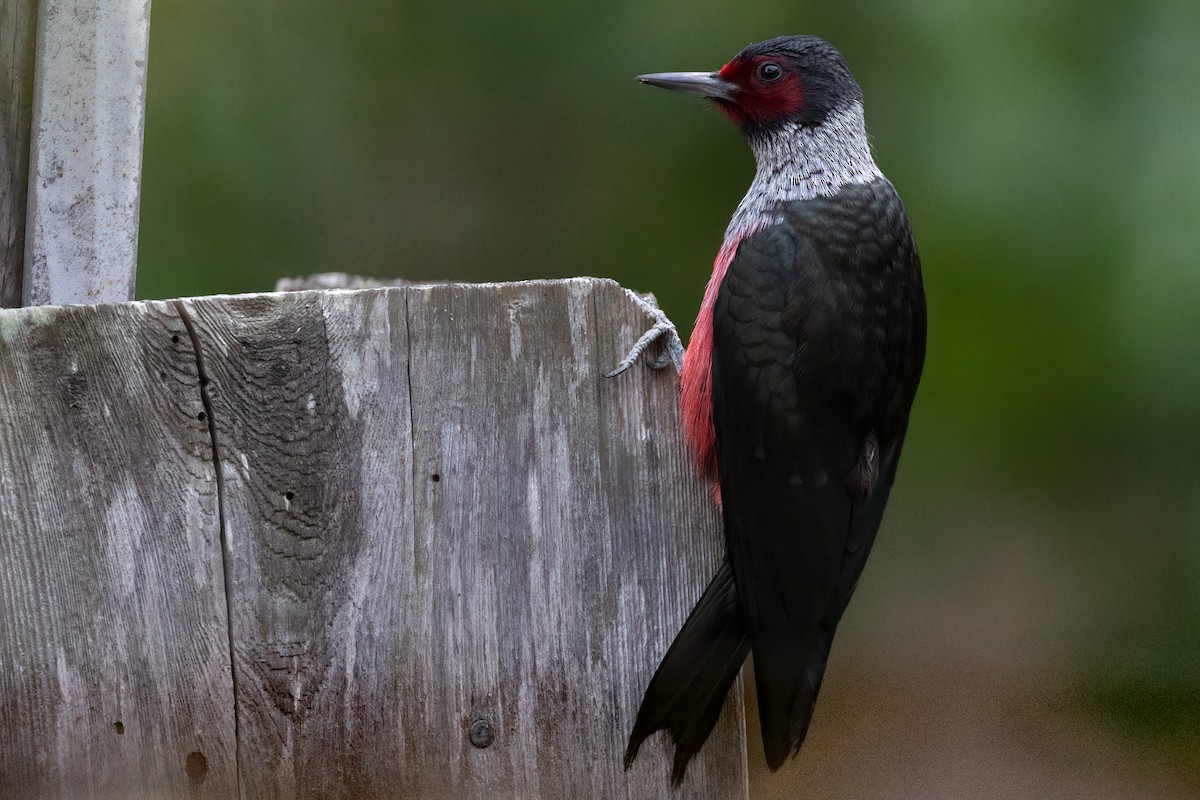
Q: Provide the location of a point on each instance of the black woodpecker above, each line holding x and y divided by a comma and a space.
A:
796, 390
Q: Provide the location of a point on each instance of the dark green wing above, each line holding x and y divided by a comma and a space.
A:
818, 339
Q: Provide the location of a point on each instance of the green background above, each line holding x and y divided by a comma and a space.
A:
1045, 534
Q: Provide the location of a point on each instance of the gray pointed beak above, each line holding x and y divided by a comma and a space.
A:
703, 84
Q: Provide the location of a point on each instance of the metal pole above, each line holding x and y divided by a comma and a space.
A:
18, 21
86, 157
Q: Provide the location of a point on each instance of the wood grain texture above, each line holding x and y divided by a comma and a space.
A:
443, 528
579, 489
114, 656
310, 401
18, 28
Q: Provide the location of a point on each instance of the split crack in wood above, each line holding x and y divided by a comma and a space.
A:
204, 384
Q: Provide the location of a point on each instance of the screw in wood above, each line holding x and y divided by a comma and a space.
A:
482, 734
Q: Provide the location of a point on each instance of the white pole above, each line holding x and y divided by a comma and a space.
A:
18, 21
89, 104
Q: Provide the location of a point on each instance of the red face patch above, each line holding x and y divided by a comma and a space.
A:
762, 97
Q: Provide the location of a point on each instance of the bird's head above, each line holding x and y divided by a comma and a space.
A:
783, 82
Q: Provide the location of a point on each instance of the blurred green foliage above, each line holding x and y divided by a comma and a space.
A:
1048, 150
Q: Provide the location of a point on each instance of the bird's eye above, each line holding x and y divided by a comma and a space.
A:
769, 72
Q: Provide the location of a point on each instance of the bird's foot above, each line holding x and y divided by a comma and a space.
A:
672, 350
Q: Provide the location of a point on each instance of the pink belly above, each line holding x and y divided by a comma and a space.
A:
695, 397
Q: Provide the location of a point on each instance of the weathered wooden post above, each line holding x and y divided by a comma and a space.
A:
389, 543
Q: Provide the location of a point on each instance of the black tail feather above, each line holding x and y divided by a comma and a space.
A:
688, 689
787, 678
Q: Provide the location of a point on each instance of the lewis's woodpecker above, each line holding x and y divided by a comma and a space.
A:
796, 390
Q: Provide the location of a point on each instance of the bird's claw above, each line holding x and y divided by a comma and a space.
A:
672, 351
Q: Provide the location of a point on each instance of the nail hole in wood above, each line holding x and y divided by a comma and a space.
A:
202, 416
175, 338
119, 727
435, 477
196, 766
289, 496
